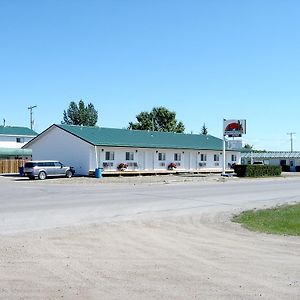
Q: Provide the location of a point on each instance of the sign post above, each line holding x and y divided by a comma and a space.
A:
224, 155
231, 128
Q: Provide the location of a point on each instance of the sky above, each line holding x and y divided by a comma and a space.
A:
205, 60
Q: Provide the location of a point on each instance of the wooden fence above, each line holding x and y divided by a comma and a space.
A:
11, 165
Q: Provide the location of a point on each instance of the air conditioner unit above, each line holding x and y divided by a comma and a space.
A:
132, 164
108, 164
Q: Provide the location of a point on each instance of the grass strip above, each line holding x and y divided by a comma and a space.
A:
283, 219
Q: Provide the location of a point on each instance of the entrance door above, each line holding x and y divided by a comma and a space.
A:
292, 165
141, 162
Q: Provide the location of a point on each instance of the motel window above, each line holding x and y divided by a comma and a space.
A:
233, 157
177, 156
203, 157
216, 157
129, 156
161, 156
283, 162
109, 155
20, 140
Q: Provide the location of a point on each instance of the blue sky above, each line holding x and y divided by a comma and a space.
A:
205, 60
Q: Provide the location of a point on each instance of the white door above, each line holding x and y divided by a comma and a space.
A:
141, 158
187, 160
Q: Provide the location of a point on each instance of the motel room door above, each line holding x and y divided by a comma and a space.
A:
292, 165
142, 159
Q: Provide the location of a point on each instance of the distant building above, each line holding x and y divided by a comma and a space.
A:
12, 139
288, 160
87, 148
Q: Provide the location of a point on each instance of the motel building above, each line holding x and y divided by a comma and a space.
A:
87, 148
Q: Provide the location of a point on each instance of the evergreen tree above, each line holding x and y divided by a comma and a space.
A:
80, 114
248, 147
204, 129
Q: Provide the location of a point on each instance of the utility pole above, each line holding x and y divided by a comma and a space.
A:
291, 136
31, 119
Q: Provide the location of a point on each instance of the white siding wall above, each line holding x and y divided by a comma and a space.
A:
11, 141
140, 157
60, 145
147, 159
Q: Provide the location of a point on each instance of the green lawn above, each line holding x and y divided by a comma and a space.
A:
279, 220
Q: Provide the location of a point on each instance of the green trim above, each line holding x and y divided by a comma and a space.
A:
6, 152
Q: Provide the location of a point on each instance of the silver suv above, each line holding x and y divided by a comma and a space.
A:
46, 168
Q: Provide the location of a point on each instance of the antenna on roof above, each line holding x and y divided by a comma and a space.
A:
3, 122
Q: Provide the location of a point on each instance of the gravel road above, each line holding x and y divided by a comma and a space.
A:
136, 239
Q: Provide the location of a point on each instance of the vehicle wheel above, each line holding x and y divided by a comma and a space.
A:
42, 175
69, 174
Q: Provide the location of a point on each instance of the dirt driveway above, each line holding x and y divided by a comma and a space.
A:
190, 256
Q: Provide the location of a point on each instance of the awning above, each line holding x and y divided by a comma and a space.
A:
6, 152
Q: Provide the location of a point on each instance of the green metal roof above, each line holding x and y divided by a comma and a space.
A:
16, 131
272, 154
100, 136
5, 152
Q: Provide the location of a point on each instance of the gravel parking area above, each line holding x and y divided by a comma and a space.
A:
148, 179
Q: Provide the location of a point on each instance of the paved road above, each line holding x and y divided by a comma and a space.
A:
28, 205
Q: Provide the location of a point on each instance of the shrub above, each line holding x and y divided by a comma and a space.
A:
257, 170
297, 168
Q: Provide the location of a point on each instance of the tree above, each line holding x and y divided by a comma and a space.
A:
204, 129
159, 119
248, 147
80, 114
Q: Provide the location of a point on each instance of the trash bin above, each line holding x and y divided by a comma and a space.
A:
98, 172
